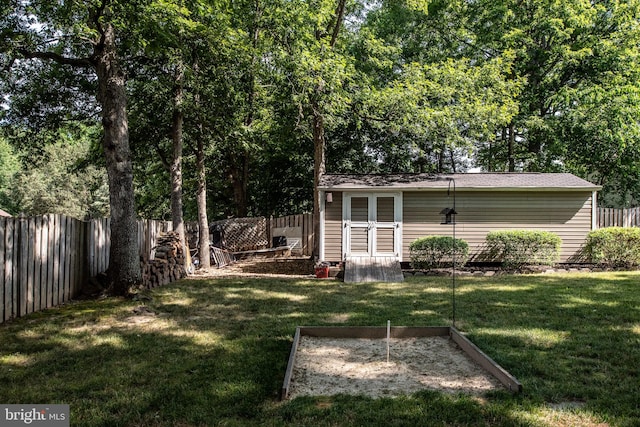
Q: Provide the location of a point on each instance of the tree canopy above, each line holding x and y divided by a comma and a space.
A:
380, 86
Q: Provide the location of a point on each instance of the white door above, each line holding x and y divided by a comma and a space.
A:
372, 224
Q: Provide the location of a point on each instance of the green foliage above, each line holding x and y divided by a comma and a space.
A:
516, 248
438, 251
61, 178
614, 246
9, 168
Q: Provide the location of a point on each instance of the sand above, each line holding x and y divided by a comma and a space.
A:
328, 366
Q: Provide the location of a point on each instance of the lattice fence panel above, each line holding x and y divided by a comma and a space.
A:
243, 234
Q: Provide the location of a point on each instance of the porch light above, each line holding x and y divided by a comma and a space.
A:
329, 197
448, 216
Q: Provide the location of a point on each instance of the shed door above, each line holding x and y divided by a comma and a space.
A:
372, 225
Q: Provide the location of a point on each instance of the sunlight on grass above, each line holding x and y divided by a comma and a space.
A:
16, 359
561, 417
575, 302
184, 302
78, 343
424, 313
636, 329
260, 294
509, 287
544, 338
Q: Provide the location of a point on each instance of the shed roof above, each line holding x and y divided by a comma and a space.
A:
467, 181
4, 213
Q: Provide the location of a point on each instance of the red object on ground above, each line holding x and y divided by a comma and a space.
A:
322, 272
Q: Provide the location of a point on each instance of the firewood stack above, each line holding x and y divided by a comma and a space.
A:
168, 265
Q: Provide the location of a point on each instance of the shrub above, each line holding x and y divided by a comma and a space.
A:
614, 246
516, 248
438, 251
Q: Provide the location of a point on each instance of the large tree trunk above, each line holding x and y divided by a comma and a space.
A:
201, 192
124, 263
319, 143
177, 123
203, 221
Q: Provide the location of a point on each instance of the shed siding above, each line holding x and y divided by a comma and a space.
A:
333, 228
566, 213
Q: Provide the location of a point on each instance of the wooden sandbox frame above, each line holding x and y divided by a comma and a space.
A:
380, 332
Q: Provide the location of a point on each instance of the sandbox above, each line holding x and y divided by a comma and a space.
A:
386, 362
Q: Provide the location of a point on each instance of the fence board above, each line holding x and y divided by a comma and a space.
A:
611, 217
67, 259
30, 223
42, 254
11, 270
3, 225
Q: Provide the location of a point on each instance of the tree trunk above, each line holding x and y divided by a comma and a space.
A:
201, 193
177, 123
319, 168
239, 177
319, 143
203, 221
124, 263
512, 143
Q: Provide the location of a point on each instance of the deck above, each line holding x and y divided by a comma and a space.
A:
372, 269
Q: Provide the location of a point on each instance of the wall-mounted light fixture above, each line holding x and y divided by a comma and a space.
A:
329, 197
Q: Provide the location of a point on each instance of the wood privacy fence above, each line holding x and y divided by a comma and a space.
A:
46, 260
610, 217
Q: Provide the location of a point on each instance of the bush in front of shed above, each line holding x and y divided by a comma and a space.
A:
516, 248
614, 246
437, 251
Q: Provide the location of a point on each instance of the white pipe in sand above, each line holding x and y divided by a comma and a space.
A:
388, 335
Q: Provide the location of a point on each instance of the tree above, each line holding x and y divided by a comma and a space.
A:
59, 179
84, 36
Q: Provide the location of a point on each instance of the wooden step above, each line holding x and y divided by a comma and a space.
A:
372, 269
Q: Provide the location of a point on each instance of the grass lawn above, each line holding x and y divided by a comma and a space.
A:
213, 352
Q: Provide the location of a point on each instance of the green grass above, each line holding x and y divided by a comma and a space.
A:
215, 351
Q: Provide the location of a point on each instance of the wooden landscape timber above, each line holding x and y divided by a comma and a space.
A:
376, 332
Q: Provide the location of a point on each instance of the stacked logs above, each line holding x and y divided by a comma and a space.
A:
168, 265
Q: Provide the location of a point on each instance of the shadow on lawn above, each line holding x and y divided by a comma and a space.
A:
214, 352
566, 338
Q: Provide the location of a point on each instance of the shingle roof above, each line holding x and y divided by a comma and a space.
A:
467, 181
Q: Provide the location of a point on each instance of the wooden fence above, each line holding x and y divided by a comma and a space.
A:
247, 234
610, 217
45, 260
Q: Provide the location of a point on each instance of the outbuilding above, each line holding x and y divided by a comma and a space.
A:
380, 215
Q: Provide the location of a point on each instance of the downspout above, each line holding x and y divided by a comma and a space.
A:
321, 249
594, 210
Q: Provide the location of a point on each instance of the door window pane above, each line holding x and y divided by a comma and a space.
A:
359, 209
385, 209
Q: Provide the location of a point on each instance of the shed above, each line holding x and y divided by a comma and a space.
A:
380, 215
4, 213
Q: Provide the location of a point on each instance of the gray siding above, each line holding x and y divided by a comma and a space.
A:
566, 213
333, 228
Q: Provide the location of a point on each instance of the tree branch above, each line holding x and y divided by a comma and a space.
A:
60, 59
339, 17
